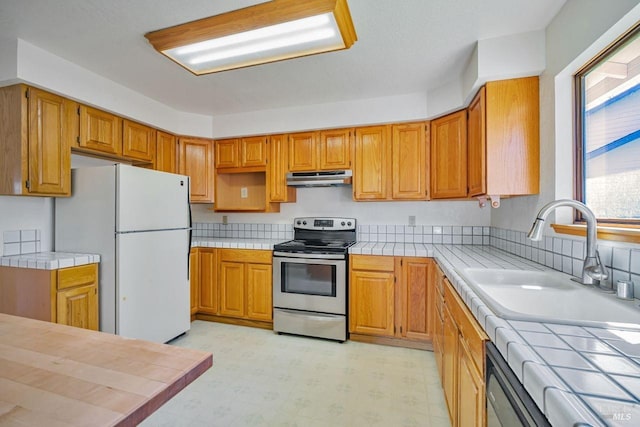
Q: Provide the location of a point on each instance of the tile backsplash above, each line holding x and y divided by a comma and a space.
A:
567, 255
20, 242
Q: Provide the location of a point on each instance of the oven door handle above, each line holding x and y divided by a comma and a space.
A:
308, 256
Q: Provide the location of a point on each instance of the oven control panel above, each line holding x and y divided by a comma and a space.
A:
334, 224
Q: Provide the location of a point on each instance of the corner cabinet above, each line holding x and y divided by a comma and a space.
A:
388, 300
68, 296
36, 132
196, 161
504, 138
449, 156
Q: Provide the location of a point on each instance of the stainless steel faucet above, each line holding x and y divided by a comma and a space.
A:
593, 272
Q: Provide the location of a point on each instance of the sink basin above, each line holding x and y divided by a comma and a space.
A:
549, 296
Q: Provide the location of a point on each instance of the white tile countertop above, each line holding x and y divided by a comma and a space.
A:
576, 375
234, 243
48, 260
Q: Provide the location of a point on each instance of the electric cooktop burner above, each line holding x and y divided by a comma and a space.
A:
328, 235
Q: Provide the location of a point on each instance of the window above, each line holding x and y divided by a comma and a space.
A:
608, 132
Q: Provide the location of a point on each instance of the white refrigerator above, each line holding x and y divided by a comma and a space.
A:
139, 222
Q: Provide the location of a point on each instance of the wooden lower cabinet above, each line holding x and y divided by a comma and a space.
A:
460, 356
388, 298
208, 280
68, 296
234, 284
194, 280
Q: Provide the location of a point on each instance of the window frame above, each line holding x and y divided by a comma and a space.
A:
578, 130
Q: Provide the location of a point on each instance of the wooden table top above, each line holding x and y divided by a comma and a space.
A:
58, 375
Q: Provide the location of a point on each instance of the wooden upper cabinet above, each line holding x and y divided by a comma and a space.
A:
100, 131
138, 141
504, 138
227, 153
449, 156
334, 149
36, 130
166, 150
477, 145
409, 161
302, 152
245, 153
279, 191
371, 165
253, 152
196, 161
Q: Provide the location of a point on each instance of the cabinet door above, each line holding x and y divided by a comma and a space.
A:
477, 145
450, 364
449, 156
227, 153
302, 152
371, 163
279, 191
208, 302
471, 390
415, 302
139, 141
166, 151
49, 144
259, 291
371, 303
231, 279
196, 162
253, 151
100, 131
194, 279
409, 162
78, 307
335, 149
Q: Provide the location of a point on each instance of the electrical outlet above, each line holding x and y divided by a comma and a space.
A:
412, 220
244, 192
225, 219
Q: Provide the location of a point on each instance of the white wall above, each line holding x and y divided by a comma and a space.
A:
323, 116
8, 63
580, 30
40, 68
27, 213
337, 201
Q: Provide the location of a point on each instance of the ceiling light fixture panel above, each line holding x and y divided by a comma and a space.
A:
272, 31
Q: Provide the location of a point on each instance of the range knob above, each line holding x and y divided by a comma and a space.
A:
349, 223
342, 223
304, 222
298, 222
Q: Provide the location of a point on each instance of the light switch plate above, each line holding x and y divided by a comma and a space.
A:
244, 192
412, 220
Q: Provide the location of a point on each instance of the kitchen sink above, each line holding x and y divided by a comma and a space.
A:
549, 296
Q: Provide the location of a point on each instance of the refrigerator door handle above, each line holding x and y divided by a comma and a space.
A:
190, 229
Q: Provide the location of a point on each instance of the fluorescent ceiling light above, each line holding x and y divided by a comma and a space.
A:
271, 31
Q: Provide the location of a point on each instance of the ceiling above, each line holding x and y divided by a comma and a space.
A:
404, 46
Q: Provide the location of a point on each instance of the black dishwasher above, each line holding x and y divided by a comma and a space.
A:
508, 403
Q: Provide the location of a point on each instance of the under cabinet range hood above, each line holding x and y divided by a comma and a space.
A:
319, 179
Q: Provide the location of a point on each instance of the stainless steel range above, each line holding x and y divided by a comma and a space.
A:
310, 276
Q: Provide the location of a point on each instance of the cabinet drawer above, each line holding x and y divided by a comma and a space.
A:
245, 255
372, 263
76, 276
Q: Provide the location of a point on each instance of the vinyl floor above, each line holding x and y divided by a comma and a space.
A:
260, 378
